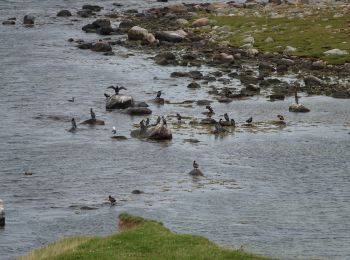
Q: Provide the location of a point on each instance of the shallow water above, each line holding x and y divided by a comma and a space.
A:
282, 192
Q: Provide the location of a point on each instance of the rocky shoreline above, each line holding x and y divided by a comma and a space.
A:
178, 35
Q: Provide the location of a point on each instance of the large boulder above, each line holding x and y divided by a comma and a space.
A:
137, 33
28, 19
119, 102
298, 108
158, 132
93, 121
64, 13
201, 22
171, 36
101, 46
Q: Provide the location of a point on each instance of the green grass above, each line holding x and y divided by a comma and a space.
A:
309, 35
147, 240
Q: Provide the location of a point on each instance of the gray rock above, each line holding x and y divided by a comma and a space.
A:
318, 65
94, 8
28, 19
193, 85
137, 33
336, 52
165, 58
312, 81
299, 108
119, 102
171, 36
84, 13
102, 23
139, 111
93, 122
196, 172
64, 13
101, 46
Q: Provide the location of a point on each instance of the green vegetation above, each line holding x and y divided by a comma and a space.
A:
144, 239
312, 35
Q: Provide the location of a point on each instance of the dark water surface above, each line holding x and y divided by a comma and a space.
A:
279, 192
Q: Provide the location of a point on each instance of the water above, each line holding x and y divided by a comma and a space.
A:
279, 192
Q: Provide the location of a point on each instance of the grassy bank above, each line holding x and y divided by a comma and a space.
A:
140, 239
311, 31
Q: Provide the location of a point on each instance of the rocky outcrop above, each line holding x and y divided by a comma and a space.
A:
93, 121
158, 132
119, 102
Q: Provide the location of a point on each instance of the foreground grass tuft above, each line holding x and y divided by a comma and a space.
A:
147, 240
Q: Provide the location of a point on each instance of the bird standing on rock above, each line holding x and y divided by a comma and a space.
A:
210, 109
114, 130
249, 120
147, 121
164, 121
111, 200
195, 165
159, 93
92, 113
158, 120
116, 89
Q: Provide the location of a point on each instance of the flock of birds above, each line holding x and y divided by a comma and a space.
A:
144, 123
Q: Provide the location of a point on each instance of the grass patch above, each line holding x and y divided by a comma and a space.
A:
148, 240
312, 35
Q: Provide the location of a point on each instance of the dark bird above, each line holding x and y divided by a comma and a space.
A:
233, 123
226, 117
195, 165
71, 100
164, 121
114, 130
111, 200
142, 125
249, 120
158, 120
280, 117
178, 116
28, 173
210, 109
106, 95
147, 121
92, 113
116, 89
74, 124
159, 93
219, 128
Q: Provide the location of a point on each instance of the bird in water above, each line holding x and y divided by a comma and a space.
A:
178, 116
210, 109
147, 122
195, 165
280, 117
249, 120
116, 89
92, 113
159, 93
71, 100
114, 130
74, 126
111, 200
164, 121
226, 117
106, 95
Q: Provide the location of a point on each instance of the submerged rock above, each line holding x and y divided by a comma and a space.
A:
119, 102
101, 46
298, 108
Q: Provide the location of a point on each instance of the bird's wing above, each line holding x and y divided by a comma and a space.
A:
111, 87
122, 88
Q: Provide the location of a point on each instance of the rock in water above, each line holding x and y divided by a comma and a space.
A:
196, 172
2, 214
159, 132
28, 19
92, 121
119, 102
64, 13
139, 111
298, 108
101, 46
